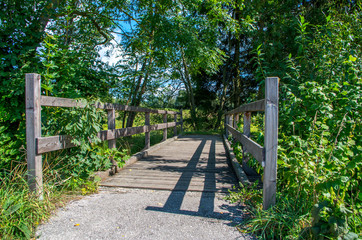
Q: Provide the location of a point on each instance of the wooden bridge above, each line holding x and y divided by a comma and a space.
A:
188, 163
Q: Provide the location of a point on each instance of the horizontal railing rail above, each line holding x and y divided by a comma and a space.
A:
37, 145
267, 155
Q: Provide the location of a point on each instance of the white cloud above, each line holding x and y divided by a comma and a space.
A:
112, 53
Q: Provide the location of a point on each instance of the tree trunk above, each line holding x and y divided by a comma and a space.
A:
222, 99
188, 85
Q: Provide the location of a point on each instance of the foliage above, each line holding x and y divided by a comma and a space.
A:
319, 124
20, 211
285, 220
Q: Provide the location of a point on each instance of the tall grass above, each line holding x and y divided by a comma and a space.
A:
20, 210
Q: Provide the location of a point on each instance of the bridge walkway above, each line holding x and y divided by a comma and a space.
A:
190, 163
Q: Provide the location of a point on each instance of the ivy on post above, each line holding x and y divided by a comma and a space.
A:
33, 131
270, 141
147, 132
111, 115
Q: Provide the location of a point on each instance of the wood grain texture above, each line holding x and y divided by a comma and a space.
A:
257, 106
61, 102
182, 121
53, 143
33, 131
191, 163
165, 129
111, 115
270, 142
147, 132
68, 102
246, 131
252, 147
175, 127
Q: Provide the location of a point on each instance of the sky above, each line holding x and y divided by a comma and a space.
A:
115, 53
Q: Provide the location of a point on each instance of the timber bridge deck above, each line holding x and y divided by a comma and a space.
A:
190, 163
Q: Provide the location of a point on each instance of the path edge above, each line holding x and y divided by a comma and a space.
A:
234, 162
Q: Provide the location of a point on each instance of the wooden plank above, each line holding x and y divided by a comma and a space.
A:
121, 132
254, 148
147, 133
246, 131
235, 120
161, 126
164, 130
223, 189
271, 142
175, 127
257, 106
61, 102
182, 121
53, 143
111, 125
111, 116
33, 131
68, 102
247, 124
120, 107
227, 122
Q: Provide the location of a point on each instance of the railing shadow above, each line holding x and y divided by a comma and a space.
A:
206, 206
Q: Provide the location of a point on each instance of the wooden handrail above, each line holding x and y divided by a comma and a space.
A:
68, 102
267, 155
37, 145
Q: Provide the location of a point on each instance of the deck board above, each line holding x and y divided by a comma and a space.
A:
191, 163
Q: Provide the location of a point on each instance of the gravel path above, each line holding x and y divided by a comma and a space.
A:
119, 213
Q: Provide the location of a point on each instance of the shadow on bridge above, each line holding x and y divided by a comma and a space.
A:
206, 205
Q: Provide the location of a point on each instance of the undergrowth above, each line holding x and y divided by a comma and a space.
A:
67, 174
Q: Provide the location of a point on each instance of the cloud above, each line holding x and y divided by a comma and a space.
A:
113, 52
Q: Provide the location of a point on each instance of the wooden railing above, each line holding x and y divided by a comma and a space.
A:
37, 145
267, 155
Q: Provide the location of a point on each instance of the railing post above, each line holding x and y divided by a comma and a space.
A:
182, 121
227, 121
270, 142
246, 132
33, 131
247, 123
236, 120
175, 127
111, 115
165, 129
147, 133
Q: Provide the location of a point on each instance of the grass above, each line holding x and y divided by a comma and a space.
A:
136, 143
288, 219
20, 210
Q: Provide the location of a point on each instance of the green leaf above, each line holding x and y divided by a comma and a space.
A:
352, 58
